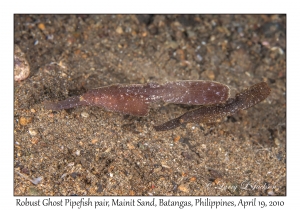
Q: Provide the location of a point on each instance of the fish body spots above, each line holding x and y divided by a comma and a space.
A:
207, 114
135, 99
114, 99
195, 92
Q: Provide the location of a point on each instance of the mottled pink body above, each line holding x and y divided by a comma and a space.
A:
207, 114
135, 99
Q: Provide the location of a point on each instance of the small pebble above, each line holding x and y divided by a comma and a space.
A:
34, 191
271, 193
64, 175
192, 179
25, 120
191, 34
34, 140
184, 174
278, 49
50, 37
277, 142
71, 164
265, 43
107, 150
36, 180
181, 55
183, 188
119, 30
210, 74
165, 166
173, 45
77, 152
144, 34
130, 146
133, 33
94, 141
51, 115
176, 138
32, 132
41, 26
85, 114
217, 181
194, 74
21, 66
199, 57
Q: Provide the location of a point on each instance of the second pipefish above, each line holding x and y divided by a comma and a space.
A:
207, 114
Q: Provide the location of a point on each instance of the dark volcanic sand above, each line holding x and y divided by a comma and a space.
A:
89, 151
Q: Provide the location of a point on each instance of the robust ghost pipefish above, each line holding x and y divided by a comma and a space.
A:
135, 99
207, 114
